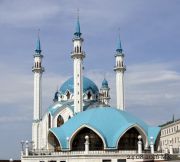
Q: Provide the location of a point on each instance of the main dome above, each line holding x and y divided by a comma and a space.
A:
87, 85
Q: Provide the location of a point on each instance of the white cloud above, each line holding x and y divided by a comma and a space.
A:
151, 87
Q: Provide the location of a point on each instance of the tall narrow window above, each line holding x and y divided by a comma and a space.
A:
68, 95
60, 121
89, 95
77, 49
49, 121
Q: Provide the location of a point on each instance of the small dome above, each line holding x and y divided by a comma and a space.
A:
105, 84
87, 85
56, 96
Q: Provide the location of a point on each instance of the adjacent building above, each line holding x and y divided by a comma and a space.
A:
170, 137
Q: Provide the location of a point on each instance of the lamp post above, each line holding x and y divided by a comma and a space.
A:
139, 144
27, 148
10, 160
152, 144
86, 144
67, 139
22, 147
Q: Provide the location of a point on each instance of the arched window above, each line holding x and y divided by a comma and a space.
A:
60, 121
53, 142
95, 142
129, 140
49, 121
68, 95
89, 95
80, 48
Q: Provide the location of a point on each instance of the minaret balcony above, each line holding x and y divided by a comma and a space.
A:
120, 68
78, 54
38, 69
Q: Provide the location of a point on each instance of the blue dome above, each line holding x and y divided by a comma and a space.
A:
87, 85
109, 122
105, 84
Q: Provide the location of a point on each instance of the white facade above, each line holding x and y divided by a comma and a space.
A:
170, 137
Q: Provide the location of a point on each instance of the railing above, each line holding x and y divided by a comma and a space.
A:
129, 154
72, 153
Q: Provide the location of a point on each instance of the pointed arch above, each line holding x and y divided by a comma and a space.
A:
53, 142
82, 134
140, 132
60, 121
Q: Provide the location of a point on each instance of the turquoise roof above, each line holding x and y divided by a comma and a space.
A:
38, 46
119, 46
110, 123
77, 31
105, 84
87, 85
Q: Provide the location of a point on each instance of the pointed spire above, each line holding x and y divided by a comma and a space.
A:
119, 46
38, 44
173, 119
77, 30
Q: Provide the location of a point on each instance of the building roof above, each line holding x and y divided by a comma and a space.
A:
87, 85
108, 122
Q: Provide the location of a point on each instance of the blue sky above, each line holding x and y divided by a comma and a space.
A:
150, 35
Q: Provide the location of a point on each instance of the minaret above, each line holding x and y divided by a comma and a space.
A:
104, 92
120, 68
78, 55
37, 69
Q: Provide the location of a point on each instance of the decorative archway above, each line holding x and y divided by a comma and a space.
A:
53, 142
95, 142
129, 140
60, 121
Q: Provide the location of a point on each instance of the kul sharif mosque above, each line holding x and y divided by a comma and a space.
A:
81, 125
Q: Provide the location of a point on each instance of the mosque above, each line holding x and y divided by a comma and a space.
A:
81, 125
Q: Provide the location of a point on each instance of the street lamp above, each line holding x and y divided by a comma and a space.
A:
22, 147
67, 139
11, 160
152, 144
27, 148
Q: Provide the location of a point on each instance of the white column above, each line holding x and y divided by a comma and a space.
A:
170, 146
179, 150
37, 96
120, 68
37, 69
139, 145
78, 85
120, 89
86, 144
